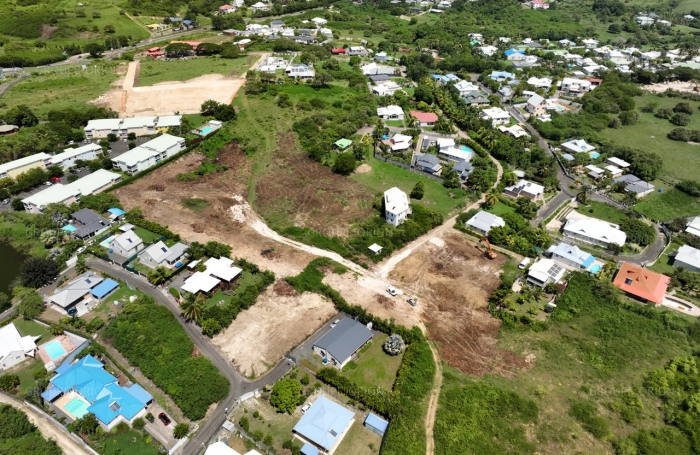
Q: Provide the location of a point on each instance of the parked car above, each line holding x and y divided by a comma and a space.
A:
524, 263
55, 179
48, 183
334, 323
305, 408
73, 171
6, 201
163, 418
391, 290
81, 169
412, 302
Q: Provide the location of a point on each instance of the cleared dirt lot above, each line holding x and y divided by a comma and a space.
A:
453, 281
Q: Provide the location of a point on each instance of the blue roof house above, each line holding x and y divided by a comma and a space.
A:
323, 426
501, 75
571, 256
109, 402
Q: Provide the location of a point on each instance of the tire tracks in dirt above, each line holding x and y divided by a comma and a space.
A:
433, 403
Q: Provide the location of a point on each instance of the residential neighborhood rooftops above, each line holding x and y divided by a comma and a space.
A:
601, 231
324, 422
95, 181
138, 122
578, 146
572, 253
484, 221
688, 255
55, 194
618, 162
104, 124
11, 341
76, 289
162, 143
642, 283
72, 152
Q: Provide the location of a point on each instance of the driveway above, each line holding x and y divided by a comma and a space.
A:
157, 429
304, 350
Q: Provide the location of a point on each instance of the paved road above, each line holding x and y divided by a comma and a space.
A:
239, 384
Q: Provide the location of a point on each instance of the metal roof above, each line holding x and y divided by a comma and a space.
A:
344, 339
324, 422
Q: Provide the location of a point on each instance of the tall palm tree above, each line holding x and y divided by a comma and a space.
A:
158, 275
583, 194
491, 198
192, 307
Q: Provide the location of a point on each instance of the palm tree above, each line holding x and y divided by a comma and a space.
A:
491, 198
192, 307
80, 265
48, 238
537, 293
510, 179
583, 194
56, 330
158, 275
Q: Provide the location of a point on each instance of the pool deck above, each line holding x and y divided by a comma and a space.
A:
67, 398
105, 242
50, 363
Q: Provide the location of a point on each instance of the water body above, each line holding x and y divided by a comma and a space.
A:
10, 262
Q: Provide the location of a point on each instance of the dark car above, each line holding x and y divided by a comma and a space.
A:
73, 171
163, 418
72, 311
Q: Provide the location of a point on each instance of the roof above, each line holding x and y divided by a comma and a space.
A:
343, 143
8, 128
222, 268
165, 121
389, 110
427, 160
525, 186
176, 252
688, 255
578, 145
376, 422
395, 201
126, 227
139, 393
54, 193
463, 168
344, 339
75, 289
456, 154
138, 122
92, 227
573, 254
93, 182
627, 178
639, 187
618, 162
73, 152
484, 221
128, 240
220, 448
568, 157
380, 77
135, 156
324, 422
535, 100
113, 401
425, 117
11, 341
495, 113
86, 376
158, 251
116, 211
546, 270
104, 288
103, 124
599, 230
200, 281
85, 216
376, 249
641, 282
693, 226
162, 143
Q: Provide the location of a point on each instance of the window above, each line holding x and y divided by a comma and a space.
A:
114, 406
628, 281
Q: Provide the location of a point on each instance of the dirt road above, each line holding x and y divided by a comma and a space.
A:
50, 430
433, 403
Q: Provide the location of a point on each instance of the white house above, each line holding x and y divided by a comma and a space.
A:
101, 128
595, 172
159, 254
319, 21
483, 222
400, 142
526, 189
572, 85
140, 126
688, 258
571, 256
464, 87
577, 146
591, 230
536, 105
14, 347
496, 115
372, 69
545, 271
644, 20
72, 192
260, 6
358, 51
390, 113
693, 226
22, 165
618, 162
540, 82
515, 130
126, 244
300, 71
69, 156
396, 207
149, 154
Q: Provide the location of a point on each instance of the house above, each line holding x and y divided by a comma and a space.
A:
693, 226
390, 113
216, 271
496, 115
126, 244
514, 54
500, 76
67, 297
87, 381
545, 271
380, 78
515, 131
425, 118
595, 172
396, 207
226, 9
537, 4
386, 89
688, 258
590, 43
376, 249
444, 143
323, 426
101, 128
577, 146
260, 6
526, 189
613, 170
300, 71
7, 130
571, 256
14, 348
304, 39
483, 222
318, 21
488, 50
639, 188
618, 162
141, 126
429, 163
476, 98
576, 86
277, 24
591, 230
454, 154
642, 284
342, 144
358, 51
165, 122
149, 154
337, 51
568, 157
644, 20
540, 82
465, 87
22, 165
159, 254
91, 224
376, 424
399, 142
373, 68
221, 447
72, 192
69, 156
342, 342
536, 105
463, 169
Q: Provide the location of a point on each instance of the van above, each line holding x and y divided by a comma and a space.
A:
524, 263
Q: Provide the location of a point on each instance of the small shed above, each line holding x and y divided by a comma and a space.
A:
342, 144
376, 249
376, 424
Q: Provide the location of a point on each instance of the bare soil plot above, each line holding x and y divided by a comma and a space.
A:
453, 281
679, 86
279, 320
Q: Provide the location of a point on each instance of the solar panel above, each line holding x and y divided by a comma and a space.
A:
554, 270
115, 406
333, 432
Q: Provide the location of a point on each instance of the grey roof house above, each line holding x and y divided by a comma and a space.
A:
341, 342
92, 223
463, 169
127, 244
483, 222
688, 258
74, 292
429, 163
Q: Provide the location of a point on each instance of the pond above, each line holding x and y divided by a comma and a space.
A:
9, 266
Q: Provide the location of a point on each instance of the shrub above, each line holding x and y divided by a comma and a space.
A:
181, 430
285, 395
139, 423
680, 119
585, 413
244, 423
8, 381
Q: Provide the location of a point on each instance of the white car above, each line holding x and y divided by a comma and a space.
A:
334, 323
391, 290
305, 408
48, 183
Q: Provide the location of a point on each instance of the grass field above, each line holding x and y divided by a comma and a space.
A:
665, 263
61, 87
146, 235
33, 329
386, 175
375, 367
681, 160
670, 204
602, 211
499, 208
26, 373
124, 443
243, 282
155, 71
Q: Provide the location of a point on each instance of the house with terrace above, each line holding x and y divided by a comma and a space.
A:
536, 105
463, 170
496, 115
570, 256
527, 189
396, 206
323, 426
215, 271
65, 299
428, 163
14, 348
545, 271
390, 113
89, 224
594, 231
577, 146
86, 387
688, 258
159, 254
483, 222
69, 156
693, 226
341, 343
425, 118
635, 185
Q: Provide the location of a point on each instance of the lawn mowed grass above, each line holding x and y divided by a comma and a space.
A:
681, 160
32, 328
602, 211
386, 175
499, 208
243, 282
670, 204
154, 71
375, 367
125, 444
26, 372
665, 263
146, 235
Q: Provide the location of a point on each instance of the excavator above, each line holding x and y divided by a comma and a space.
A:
489, 253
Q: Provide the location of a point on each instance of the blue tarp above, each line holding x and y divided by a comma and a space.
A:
116, 211
51, 393
104, 288
376, 422
69, 228
308, 449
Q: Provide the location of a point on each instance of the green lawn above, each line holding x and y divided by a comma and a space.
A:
670, 204
499, 208
26, 374
125, 444
386, 175
375, 367
154, 71
396, 123
32, 328
146, 235
665, 263
602, 211
242, 283
681, 160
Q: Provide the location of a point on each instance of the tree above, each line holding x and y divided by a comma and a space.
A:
638, 232
138, 423
244, 423
178, 50
8, 381
583, 193
20, 115
5, 302
322, 79
680, 119
394, 345
48, 237
109, 28
418, 190
268, 441
56, 330
423, 93
132, 136
94, 49
81, 265
450, 179
17, 205
684, 108
491, 197
285, 395
30, 304
345, 164
211, 327
209, 108
510, 179
181, 430
87, 424
158, 275
192, 307
36, 272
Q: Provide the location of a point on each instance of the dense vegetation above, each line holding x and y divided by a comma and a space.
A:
19, 435
151, 338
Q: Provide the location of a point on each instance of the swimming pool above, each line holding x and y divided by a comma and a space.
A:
559, 108
466, 149
595, 268
205, 131
76, 407
594, 155
105, 242
54, 349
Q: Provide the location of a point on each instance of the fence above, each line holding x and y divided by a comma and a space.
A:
62, 428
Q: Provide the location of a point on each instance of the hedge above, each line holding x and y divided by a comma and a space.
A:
378, 399
155, 228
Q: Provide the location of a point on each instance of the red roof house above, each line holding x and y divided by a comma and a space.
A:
337, 50
425, 118
642, 283
227, 9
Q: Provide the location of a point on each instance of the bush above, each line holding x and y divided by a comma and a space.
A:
345, 164
285, 395
138, 423
244, 423
585, 413
8, 381
181, 430
690, 187
680, 119
638, 232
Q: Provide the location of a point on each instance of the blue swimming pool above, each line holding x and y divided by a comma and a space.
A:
54, 349
595, 268
205, 131
559, 108
76, 407
466, 149
594, 155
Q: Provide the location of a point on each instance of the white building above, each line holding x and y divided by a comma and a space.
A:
159, 254
540, 82
688, 258
22, 165
396, 207
483, 222
216, 271
149, 154
126, 244
101, 128
618, 162
93, 183
140, 126
594, 231
515, 130
386, 89
260, 6
14, 348
359, 51
319, 21
371, 69
577, 146
390, 113
525, 188
569, 84
69, 156
693, 226
545, 271
464, 87
496, 115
